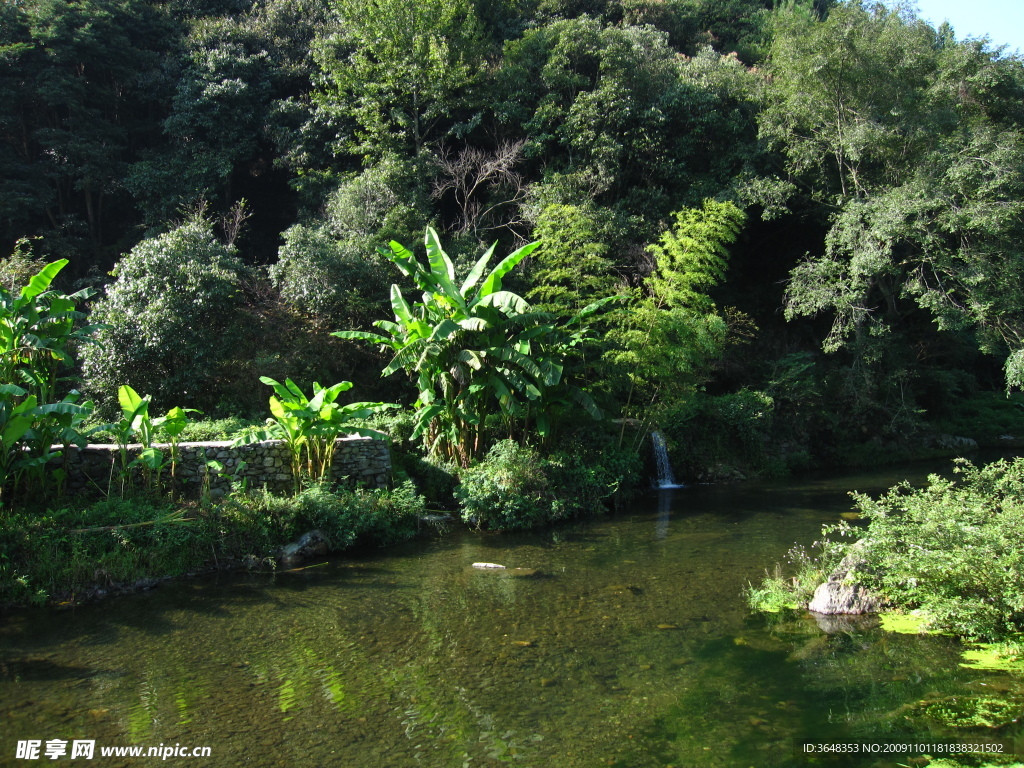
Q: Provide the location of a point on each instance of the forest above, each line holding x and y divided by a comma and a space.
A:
785, 235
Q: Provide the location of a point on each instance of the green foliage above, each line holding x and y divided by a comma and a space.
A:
345, 516
310, 426
39, 327
723, 436
475, 346
573, 268
400, 71
173, 318
669, 337
508, 490
952, 552
235, 83
115, 542
774, 594
334, 281
691, 257
20, 267
79, 87
616, 105
910, 145
515, 487
384, 202
65, 551
985, 417
197, 431
954, 549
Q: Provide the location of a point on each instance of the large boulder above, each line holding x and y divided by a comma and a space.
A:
839, 595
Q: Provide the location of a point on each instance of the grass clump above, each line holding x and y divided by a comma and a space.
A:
778, 592
345, 516
110, 542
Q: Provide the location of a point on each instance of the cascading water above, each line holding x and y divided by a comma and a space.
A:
665, 477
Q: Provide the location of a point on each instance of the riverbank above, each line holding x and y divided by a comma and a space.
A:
947, 555
87, 551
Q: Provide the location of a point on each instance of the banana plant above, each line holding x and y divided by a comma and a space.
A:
134, 425
172, 425
57, 425
471, 347
16, 420
36, 328
309, 426
37, 325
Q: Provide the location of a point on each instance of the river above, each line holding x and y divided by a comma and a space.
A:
631, 647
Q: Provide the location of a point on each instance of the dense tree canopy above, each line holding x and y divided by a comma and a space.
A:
911, 146
868, 171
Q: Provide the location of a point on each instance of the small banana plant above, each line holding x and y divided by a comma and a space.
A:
309, 426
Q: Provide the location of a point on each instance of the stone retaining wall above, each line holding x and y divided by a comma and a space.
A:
267, 464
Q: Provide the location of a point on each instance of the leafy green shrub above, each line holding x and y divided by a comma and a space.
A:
173, 317
346, 517
331, 279
509, 489
515, 487
112, 541
383, 203
120, 541
953, 550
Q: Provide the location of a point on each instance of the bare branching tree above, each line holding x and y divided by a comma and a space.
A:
231, 222
485, 186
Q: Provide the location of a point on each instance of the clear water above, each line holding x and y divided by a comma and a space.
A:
632, 647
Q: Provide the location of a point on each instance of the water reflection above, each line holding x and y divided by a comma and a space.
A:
664, 512
631, 645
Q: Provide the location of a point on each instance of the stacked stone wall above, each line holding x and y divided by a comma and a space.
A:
266, 464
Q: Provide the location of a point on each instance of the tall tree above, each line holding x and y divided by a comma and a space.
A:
911, 147
80, 82
400, 70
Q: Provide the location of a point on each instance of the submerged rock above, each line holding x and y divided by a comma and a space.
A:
522, 573
832, 624
311, 544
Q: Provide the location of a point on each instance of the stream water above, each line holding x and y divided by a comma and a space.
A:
631, 647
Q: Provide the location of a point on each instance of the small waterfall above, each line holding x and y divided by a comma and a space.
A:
665, 477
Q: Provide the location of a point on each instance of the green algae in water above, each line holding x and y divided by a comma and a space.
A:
905, 623
995, 656
973, 711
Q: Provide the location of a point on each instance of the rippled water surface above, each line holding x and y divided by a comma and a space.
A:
632, 647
